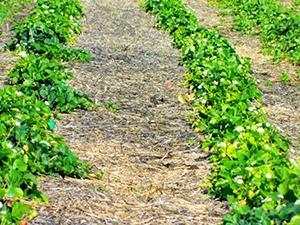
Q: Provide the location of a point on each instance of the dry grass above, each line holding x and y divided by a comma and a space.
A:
151, 176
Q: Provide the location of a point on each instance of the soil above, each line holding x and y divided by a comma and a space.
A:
150, 174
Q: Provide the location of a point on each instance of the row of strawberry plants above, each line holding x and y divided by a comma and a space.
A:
251, 168
277, 26
8, 9
36, 90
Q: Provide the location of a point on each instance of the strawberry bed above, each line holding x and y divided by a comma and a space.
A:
29, 103
251, 167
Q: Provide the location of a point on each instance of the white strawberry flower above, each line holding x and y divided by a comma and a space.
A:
260, 130
251, 109
235, 82
250, 169
239, 180
23, 54
239, 128
222, 145
280, 196
203, 101
268, 176
9, 145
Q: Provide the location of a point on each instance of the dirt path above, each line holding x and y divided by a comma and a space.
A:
281, 100
150, 176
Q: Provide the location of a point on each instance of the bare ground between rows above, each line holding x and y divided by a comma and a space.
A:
281, 100
151, 176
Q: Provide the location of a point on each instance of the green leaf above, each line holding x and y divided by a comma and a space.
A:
20, 165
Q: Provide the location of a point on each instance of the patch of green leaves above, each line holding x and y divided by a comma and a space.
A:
9, 8
37, 87
28, 147
277, 26
45, 78
284, 77
48, 28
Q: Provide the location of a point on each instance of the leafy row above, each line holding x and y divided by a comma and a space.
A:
8, 8
277, 26
251, 168
36, 89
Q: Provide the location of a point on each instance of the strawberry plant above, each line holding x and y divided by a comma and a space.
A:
45, 78
50, 25
37, 87
28, 147
277, 26
9, 8
251, 167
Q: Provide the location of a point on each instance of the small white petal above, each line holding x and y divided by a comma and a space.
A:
280, 196
222, 145
260, 130
239, 128
23, 54
267, 200
19, 93
9, 145
235, 82
268, 176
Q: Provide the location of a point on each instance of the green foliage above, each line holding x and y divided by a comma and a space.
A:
28, 146
278, 27
9, 8
251, 166
50, 25
284, 77
109, 105
45, 78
